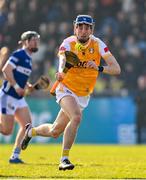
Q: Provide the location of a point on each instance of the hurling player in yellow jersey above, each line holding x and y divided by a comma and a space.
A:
73, 92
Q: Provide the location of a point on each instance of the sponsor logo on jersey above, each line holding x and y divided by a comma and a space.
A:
27, 60
83, 64
24, 70
62, 48
106, 49
91, 50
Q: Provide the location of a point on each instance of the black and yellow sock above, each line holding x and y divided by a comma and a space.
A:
33, 132
65, 154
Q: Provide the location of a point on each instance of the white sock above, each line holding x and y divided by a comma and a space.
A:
16, 153
63, 158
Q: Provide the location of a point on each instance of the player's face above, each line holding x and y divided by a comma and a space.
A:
83, 31
33, 44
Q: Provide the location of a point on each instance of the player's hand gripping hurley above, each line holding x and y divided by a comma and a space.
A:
71, 61
41, 84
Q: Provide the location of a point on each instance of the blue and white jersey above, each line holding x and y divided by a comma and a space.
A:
22, 63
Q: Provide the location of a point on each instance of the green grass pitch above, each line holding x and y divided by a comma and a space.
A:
91, 162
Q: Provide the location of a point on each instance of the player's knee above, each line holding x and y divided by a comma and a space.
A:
55, 133
57, 130
23, 129
77, 119
6, 132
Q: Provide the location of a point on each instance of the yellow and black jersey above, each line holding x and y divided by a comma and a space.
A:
80, 79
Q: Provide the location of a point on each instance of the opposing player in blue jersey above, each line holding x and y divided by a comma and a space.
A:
12, 103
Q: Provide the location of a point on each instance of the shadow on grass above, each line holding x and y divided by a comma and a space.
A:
45, 177
58, 177
56, 164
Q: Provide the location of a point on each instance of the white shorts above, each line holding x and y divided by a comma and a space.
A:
8, 104
62, 91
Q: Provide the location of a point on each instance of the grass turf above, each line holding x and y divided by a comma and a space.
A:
91, 162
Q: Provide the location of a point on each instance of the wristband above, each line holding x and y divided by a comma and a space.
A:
100, 68
16, 86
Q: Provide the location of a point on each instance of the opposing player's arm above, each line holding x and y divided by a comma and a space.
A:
41, 84
4, 51
8, 73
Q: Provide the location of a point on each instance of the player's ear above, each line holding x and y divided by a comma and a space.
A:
25, 42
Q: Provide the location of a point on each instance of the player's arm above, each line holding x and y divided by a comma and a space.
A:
112, 67
62, 61
8, 74
28, 88
4, 51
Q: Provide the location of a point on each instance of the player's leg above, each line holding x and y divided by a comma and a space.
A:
72, 109
6, 124
7, 109
46, 130
23, 117
59, 124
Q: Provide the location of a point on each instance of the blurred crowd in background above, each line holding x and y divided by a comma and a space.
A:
119, 23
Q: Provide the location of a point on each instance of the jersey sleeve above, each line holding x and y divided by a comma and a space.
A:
103, 49
64, 47
13, 60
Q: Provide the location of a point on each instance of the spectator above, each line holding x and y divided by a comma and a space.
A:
141, 115
121, 23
